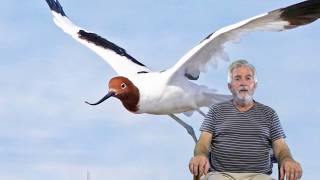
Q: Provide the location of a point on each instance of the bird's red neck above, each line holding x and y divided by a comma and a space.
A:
130, 101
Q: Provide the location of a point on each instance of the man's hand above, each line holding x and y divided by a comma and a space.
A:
290, 169
199, 165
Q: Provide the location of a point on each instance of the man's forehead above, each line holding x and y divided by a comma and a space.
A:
242, 71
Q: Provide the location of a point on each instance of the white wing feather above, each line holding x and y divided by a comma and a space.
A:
121, 64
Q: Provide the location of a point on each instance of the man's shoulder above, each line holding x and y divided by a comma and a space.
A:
220, 105
264, 107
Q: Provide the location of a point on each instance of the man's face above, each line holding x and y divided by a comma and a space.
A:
242, 84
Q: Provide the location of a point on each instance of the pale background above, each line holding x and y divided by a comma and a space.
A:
48, 132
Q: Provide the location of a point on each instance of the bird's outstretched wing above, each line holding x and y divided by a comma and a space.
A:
117, 57
211, 49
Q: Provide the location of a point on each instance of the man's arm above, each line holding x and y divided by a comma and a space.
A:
199, 164
289, 168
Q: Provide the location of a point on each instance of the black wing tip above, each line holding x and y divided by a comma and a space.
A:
55, 6
301, 13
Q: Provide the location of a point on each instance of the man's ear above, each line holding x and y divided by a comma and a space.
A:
229, 86
255, 85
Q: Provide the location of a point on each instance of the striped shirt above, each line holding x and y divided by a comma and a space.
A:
242, 140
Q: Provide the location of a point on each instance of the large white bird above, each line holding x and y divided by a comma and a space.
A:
142, 90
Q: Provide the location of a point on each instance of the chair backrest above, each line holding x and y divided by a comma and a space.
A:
274, 161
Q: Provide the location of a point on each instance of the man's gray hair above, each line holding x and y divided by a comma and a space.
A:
241, 63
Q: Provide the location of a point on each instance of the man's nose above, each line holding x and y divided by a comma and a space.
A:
243, 82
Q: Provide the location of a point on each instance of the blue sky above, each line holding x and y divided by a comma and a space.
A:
48, 132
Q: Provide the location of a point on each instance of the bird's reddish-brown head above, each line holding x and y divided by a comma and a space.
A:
123, 89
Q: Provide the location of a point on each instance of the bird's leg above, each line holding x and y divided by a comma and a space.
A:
186, 126
202, 113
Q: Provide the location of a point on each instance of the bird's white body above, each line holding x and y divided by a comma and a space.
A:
160, 96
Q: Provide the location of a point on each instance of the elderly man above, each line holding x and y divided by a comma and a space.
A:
237, 135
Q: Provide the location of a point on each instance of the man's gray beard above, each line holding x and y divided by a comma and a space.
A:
243, 100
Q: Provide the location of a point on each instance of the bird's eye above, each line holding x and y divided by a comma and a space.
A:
123, 85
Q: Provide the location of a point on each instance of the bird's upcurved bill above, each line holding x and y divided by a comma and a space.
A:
110, 93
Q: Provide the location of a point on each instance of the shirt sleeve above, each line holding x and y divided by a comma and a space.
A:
276, 131
208, 124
